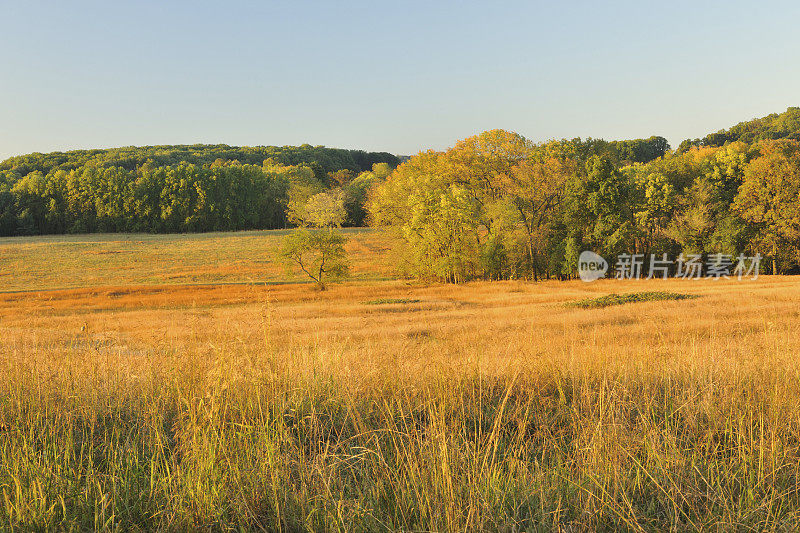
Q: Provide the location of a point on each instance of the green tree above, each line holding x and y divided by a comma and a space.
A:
319, 253
769, 200
653, 202
598, 212
357, 192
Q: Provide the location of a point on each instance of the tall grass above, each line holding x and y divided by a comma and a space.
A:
485, 406
258, 439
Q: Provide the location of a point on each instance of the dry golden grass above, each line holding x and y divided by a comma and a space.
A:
484, 406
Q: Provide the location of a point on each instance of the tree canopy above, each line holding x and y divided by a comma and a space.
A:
784, 125
497, 205
172, 188
494, 206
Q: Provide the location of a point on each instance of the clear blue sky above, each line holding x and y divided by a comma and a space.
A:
394, 76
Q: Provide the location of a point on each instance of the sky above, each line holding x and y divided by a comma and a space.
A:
389, 76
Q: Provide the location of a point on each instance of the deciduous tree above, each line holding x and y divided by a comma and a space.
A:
319, 253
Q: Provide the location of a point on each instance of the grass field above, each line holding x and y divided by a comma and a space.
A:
170, 383
57, 262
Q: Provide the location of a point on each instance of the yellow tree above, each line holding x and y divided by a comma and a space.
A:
487, 203
536, 190
435, 218
322, 210
484, 162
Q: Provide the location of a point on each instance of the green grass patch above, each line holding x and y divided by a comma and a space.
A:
620, 299
381, 301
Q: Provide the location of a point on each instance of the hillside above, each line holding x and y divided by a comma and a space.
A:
131, 157
775, 126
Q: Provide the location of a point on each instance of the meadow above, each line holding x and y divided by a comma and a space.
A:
187, 382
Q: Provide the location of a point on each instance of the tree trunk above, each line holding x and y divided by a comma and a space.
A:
774, 259
530, 256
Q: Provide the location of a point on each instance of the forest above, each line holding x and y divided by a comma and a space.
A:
182, 188
166, 189
497, 206
494, 206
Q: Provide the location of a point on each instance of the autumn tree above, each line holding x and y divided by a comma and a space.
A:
536, 190
769, 200
482, 209
317, 246
340, 177
701, 219
434, 218
653, 201
358, 189
322, 210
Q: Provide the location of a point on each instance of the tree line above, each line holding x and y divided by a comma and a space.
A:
497, 206
177, 188
320, 158
775, 126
